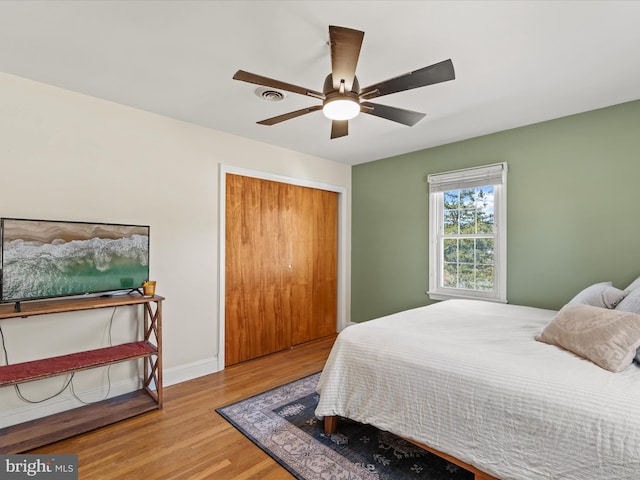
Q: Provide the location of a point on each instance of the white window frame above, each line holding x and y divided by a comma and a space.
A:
495, 175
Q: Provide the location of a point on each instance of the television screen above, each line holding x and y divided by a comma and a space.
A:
44, 258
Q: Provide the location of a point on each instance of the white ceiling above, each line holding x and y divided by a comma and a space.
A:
516, 62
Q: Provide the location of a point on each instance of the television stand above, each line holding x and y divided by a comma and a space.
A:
36, 433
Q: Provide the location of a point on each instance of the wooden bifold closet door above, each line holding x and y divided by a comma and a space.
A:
281, 266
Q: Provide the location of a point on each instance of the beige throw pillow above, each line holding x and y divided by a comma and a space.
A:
608, 338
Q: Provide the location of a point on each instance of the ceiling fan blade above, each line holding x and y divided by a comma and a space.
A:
270, 82
339, 128
439, 72
289, 116
345, 50
400, 115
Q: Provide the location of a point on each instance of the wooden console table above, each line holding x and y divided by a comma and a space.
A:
35, 433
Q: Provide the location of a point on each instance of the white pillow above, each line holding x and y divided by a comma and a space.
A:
630, 303
633, 285
601, 295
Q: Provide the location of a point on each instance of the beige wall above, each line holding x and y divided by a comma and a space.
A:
66, 156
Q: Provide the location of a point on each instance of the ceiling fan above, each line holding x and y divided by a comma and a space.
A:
342, 98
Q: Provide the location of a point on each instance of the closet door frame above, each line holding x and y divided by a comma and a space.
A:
341, 314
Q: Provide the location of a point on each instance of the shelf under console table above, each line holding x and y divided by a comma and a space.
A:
35, 433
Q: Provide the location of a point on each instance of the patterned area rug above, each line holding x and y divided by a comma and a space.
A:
283, 424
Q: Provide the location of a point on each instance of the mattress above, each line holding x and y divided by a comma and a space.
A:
468, 378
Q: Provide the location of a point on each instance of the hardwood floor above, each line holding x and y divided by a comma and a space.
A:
188, 439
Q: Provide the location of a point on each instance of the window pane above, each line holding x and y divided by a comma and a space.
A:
484, 278
450, 276
451, 222
451, 250
484, 251
466, 277
467, 221
451, 200
466, 252
485, 209
485, 223
467, 198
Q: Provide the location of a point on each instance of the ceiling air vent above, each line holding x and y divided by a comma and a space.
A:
269, 94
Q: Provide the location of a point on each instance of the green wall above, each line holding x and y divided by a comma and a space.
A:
573, 211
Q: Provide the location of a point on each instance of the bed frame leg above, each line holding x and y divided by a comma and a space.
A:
330, 425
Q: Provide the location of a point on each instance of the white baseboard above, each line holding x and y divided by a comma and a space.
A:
171, 376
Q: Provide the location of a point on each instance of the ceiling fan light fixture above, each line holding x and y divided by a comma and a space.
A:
341, 97
341, 108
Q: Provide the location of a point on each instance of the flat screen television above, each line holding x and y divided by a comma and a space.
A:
47, 258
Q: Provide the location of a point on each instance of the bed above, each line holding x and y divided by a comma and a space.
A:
468, 379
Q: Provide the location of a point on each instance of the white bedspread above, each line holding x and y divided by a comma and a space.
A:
467, 378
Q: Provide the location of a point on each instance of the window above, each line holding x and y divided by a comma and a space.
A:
467, 234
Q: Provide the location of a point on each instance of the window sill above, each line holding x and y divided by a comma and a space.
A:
465, 296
